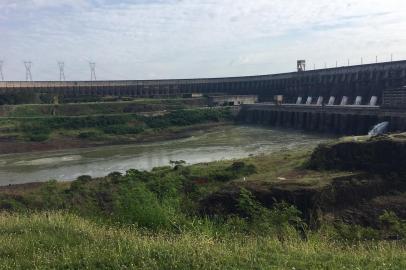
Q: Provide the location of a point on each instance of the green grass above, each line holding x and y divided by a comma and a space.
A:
97, 108
151, 220
106, 126
57, 240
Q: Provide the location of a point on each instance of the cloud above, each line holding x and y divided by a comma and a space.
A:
144, 39
37, 4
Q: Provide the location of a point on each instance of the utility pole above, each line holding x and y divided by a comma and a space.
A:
362, 60
1, 70
28, 75
92, 71
376, 59
61, 66
391, 57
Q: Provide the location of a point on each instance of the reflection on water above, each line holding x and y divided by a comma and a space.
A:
226, 143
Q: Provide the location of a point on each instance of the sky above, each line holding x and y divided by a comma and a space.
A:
159, 39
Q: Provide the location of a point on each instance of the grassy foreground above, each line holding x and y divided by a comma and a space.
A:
155, 220
56, 240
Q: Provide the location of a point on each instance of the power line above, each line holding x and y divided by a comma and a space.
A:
61, 66
92, 71
28, 75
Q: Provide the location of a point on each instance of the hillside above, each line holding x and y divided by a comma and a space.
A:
264, 212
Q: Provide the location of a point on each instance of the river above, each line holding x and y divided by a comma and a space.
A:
228, 142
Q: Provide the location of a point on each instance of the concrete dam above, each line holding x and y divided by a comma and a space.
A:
352, 81
346, 100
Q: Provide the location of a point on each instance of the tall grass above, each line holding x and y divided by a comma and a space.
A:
151, 220
57, 240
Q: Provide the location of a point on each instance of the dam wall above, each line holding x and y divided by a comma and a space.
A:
343, 120
362, 81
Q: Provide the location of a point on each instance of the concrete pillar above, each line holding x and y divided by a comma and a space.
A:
343, 124
314, 123
328, 122
279, 118
322, 122
297, 122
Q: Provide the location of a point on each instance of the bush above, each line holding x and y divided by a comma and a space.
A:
392, 226
283, 219
187, 117
49, 196
88, 135
115, 177
135, 204
35, 131
80, 182
354, 233
38, 137
123, 129
236, 170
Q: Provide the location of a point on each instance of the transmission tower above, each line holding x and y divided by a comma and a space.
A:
61, 66
28, 75
92, 71
1, 71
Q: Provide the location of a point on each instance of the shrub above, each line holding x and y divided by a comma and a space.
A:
38, 137
354, 233
80, 182
11, 204
123, 129
49, 196
135, 204
392, 226
88, 135
283, 219
35, 131
234, 171
115, 176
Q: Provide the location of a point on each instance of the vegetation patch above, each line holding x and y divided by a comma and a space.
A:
103, 126
154, 220
383, 154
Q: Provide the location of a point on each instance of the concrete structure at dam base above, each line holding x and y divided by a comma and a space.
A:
346, 119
